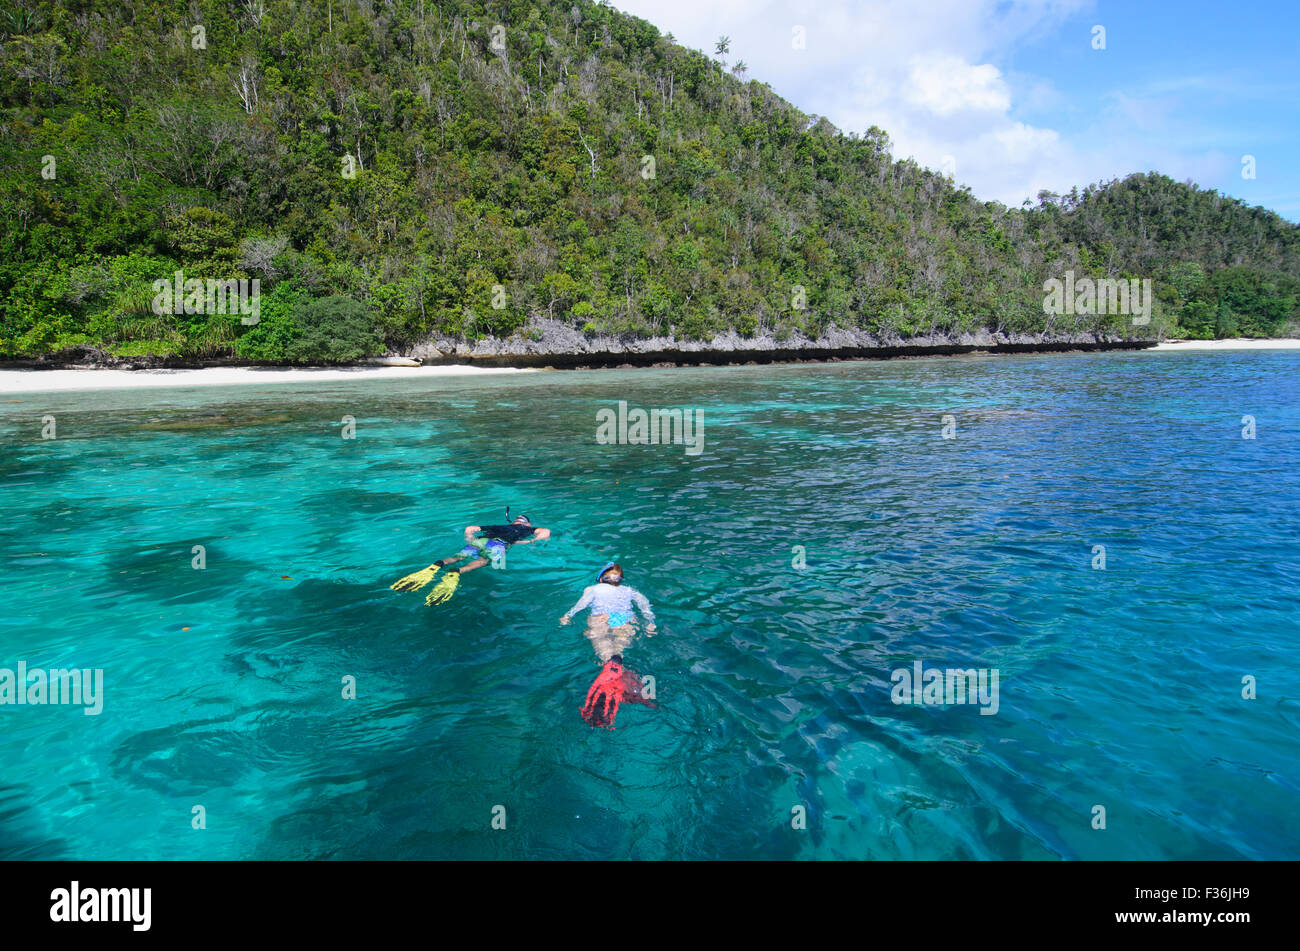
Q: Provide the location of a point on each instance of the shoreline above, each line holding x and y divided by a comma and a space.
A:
58, 378
33, 377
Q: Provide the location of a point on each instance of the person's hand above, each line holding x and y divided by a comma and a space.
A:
564, 620
650, 629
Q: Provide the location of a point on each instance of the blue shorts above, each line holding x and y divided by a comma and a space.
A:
488, 550
618, 618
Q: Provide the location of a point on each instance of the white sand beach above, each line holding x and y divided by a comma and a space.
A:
1244, 343
52, 381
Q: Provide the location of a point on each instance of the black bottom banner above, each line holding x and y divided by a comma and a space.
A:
136, 900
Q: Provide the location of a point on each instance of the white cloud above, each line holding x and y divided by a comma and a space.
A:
947, 84
1018, 141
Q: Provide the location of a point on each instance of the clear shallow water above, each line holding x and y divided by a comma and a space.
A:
1119, 687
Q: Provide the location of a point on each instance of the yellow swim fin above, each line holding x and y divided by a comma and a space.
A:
416, 580
444, 589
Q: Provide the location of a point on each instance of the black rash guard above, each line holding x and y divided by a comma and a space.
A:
507, 533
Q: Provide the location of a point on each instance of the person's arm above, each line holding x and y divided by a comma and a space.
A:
582, 603
539, 535
471, 531
644, 605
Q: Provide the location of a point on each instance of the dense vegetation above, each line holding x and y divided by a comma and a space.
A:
393, 170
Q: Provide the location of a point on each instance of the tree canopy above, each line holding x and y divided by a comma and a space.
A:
455, 168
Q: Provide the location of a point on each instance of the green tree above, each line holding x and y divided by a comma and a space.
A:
333, 329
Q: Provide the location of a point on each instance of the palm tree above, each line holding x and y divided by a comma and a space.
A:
722, 48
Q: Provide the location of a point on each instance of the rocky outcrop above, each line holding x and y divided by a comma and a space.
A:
552, 343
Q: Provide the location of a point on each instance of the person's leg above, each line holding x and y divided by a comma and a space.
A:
493, 549
621, 638
599, 634
468, 551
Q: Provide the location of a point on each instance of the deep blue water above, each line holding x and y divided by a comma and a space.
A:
1120, 687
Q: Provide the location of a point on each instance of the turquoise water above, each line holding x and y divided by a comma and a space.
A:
1119, 687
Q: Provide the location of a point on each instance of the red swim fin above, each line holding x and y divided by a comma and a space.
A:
605, 695
613, 686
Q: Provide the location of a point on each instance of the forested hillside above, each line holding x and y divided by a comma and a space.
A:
391, 171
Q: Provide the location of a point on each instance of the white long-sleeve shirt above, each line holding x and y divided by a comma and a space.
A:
612, 599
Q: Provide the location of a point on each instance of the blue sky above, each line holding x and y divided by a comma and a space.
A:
1011, 97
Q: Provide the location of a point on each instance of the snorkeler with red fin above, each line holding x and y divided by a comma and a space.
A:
610, 631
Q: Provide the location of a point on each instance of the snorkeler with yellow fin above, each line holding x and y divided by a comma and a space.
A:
484, 544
